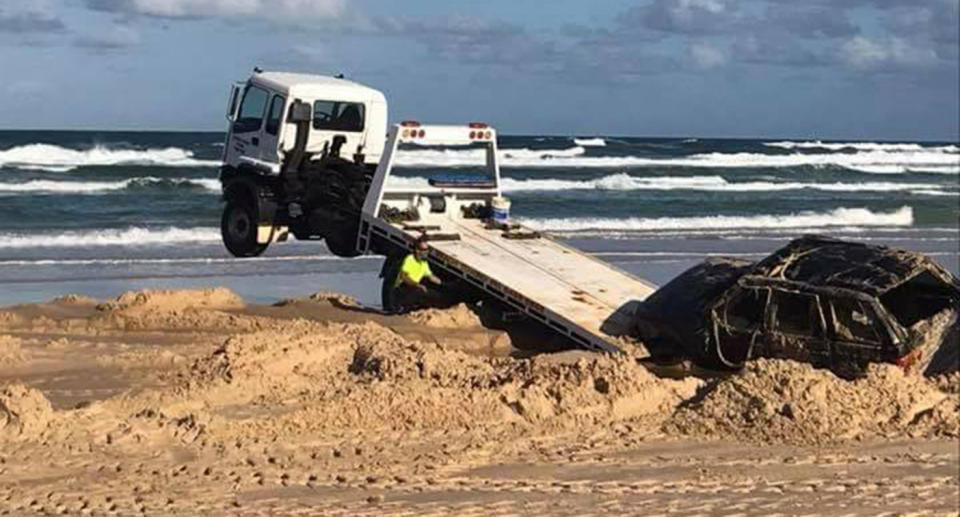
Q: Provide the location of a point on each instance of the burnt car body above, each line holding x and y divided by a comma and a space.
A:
832, 303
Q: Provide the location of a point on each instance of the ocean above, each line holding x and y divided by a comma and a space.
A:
99, 213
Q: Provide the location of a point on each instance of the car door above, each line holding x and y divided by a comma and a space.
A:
738, 322
857, 332
245, 133
795, 328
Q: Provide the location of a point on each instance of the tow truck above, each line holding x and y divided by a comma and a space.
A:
284, 173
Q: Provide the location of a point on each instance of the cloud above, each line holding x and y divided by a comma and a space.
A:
705, 56
23, 16
811, 22
938, 22
273, 10
866, 53
117, 37
26, 88
683, 16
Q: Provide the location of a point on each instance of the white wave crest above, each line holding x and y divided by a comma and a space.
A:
54, 158
133, 236
863, 146
925, 192
474, 157
590, 142
866, 161
82, 187
623, 181
837, 217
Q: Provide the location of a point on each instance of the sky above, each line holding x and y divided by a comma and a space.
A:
828, 69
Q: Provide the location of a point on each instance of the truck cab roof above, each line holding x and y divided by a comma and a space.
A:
317, 86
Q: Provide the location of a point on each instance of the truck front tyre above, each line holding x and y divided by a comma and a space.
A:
238, 227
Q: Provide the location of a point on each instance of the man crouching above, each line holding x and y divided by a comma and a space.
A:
403, 287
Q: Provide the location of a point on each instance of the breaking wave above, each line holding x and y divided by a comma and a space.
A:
54, 158
863, 146
833, 218
133, 236
92, 187
590, 142
623, 181
574, 157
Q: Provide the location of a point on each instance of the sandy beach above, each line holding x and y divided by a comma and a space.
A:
195, 402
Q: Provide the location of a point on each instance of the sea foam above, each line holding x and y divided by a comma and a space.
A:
590, 142
838, 217
94, 187
864, 146
574, 157
54, 158
131, 236
623, 181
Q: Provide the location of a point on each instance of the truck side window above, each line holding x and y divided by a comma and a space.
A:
745, 309
792, 313
276, 113
338, 116
254, 104
853, 320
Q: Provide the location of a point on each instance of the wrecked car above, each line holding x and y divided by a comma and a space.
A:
835, 304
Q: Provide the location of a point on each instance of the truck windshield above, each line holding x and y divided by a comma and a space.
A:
338, 116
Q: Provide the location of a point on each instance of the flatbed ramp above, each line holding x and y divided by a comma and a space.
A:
577, 295
590, 301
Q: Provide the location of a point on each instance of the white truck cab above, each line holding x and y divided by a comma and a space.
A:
259, 133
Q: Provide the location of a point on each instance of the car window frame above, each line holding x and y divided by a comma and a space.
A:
818, 331
764, 296
879, 326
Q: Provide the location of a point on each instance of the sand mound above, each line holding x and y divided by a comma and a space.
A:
335, 299
343, 376
595, 389
10, 352
281, 356
219, 298
74, 299
784, 401
327, 298
24, 412
458, 316
197, 308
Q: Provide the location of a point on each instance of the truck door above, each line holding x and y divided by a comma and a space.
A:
272, 129
795, 328
245, 133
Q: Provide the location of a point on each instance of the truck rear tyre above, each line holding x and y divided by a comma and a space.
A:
343, 242
238, 227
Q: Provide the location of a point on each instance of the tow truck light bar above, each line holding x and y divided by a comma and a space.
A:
410, 123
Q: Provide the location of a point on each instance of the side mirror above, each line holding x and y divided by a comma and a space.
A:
234, 100
300, 112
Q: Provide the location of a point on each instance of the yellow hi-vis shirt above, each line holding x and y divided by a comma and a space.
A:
414, 268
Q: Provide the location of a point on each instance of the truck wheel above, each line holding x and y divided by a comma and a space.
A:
238, 227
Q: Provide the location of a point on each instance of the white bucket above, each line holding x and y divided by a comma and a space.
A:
501, 210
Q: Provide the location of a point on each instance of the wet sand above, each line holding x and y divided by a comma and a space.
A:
195, 402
